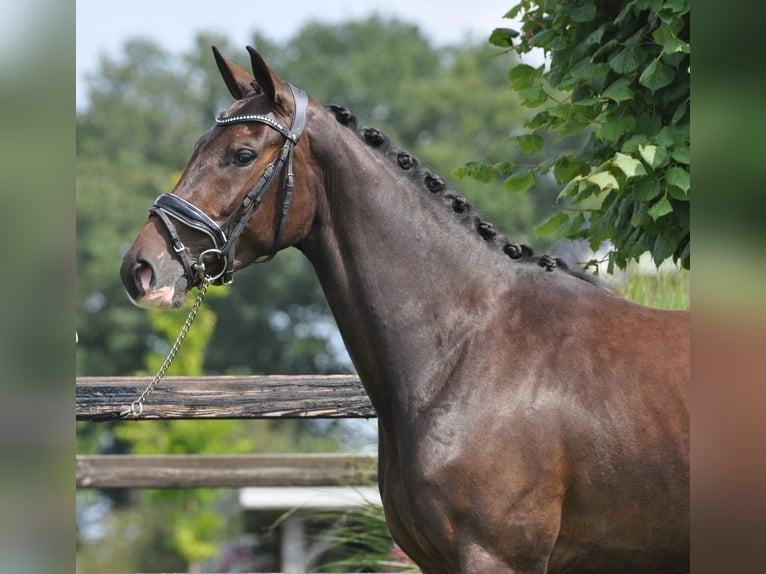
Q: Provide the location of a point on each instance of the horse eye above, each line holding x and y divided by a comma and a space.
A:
244, 157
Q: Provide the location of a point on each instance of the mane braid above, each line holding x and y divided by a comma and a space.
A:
437, 187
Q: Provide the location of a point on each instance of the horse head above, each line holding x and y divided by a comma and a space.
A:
231, 205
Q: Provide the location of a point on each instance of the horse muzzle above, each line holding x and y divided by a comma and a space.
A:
150, 284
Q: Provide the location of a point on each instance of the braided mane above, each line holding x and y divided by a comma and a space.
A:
437, 188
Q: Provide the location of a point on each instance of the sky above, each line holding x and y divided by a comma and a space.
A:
103, 26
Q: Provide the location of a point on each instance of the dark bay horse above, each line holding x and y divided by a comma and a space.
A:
530, 420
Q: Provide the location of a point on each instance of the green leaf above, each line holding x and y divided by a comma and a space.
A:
681, 154
626, 11
523, 76
639, 213
586, 103
631, 167
656, 76
533, 96
503, 37
595, 36
606, 48
558, 42
562, 111
545, 165
632, 143
673, 45
679, 177
614, 128
679, 113
661, 208
684, 256
543, 39
678, 193
571, 188
587, 70
538, 120
628, 59
665, 137
655, 156
552, 224
519, 182
529, 143
604, 180
572, 228
646, 188
619, 91
504, 168
566, 168
583, 12
665, 36
476, 170
664, 246
677, 6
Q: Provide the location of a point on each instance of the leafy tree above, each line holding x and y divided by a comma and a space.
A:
619, 71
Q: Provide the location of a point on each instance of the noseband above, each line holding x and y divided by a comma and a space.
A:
169, 207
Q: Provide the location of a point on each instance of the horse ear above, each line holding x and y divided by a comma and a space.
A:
237, 79
263, 76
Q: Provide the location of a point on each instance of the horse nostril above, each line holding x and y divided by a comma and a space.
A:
143, 276
137, 276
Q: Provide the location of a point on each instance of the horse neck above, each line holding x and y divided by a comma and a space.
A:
403, 278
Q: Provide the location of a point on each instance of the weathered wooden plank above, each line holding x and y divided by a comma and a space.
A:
227, 397
235, 471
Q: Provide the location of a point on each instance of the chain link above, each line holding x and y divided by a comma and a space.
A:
136, 408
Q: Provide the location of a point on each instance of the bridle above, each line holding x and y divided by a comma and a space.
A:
170, 208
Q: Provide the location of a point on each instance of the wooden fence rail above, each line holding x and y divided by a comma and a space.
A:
231, 471
227, 397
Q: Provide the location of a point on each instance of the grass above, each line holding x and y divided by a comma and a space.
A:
359, 541
666, 289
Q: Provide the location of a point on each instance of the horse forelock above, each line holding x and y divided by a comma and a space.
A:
438, 189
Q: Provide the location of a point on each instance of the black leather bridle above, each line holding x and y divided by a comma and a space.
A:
169, 207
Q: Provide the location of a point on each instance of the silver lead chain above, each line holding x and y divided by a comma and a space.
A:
136, 408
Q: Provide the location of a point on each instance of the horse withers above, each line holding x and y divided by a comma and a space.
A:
530, 420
